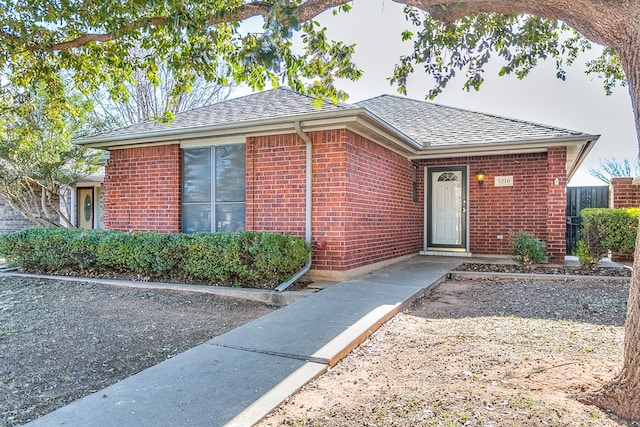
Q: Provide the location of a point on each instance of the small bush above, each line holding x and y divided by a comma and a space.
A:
527, 250
606, 230
255, 259
584, 255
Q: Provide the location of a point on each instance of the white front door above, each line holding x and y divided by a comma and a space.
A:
446, 208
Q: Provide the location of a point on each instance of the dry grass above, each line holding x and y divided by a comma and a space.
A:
492, 363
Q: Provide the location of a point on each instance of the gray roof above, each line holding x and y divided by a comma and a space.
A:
432, 124
280, 102
424, 124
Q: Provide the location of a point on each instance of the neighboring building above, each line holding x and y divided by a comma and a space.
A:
624, 192
390, 177
86, 201
87, 214
10, 219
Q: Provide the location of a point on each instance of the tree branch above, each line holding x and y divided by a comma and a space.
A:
312, 8
604, 25
594, 21
306, 11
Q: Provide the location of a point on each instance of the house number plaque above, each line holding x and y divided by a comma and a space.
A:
504, 181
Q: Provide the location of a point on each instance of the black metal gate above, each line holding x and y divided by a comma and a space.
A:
579, 198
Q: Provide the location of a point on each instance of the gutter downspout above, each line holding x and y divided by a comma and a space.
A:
308, 198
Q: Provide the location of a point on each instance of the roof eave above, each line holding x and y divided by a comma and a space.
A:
357, 119
237, 128
583, 143
501, 147
581, 156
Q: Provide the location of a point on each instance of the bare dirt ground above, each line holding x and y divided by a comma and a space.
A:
60, 341
477, 353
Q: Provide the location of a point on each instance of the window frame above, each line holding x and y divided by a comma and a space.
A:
212, 204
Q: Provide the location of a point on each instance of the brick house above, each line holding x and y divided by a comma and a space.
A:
84, 198
368, 183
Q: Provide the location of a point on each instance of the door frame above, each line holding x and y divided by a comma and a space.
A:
80, 207
428, 173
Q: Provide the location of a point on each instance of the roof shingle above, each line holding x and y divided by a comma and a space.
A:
437, 125
280, 102
424, 123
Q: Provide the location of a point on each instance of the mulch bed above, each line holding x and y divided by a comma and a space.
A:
545, 269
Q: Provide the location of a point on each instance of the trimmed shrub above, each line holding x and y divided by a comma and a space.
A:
255, 259
252, 259
527, 250
41, 249
607, 230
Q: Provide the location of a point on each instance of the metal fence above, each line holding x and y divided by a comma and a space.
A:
579, 198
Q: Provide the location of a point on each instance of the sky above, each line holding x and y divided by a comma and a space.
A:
578, 103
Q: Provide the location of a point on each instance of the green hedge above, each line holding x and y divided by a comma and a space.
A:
248, 259
606, 229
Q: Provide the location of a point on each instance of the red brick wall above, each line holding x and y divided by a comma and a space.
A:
556, 204
362, 198
624, 194
383, 221
276, 184
526, 206
142, 189
330, 210
363, 206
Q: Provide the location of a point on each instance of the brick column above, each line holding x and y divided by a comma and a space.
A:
556, 204
624, 194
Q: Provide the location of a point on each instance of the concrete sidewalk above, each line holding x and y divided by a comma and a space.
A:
237, 378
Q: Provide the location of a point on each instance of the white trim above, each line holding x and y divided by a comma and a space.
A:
425, 236
137, 145
83, 184
465, 254
467, 207
97, 207
231, 128
211, 142
425, 240
73, 202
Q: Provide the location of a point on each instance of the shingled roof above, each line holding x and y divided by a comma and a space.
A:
437, 125
420, 125
269, 104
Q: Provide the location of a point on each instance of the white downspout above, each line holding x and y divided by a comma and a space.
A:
308, 198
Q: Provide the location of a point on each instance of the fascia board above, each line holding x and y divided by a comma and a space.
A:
582, 154
492, 148
241, 128
584, 143
355, 119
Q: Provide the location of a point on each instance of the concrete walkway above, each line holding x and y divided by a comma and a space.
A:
237, 378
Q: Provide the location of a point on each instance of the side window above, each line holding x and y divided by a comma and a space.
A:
213, 188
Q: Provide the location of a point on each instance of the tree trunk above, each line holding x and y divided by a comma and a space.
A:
622, 395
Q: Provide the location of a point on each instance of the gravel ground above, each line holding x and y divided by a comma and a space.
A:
477, 353
545, 269
60, 341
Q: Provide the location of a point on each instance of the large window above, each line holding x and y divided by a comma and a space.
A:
213, 188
